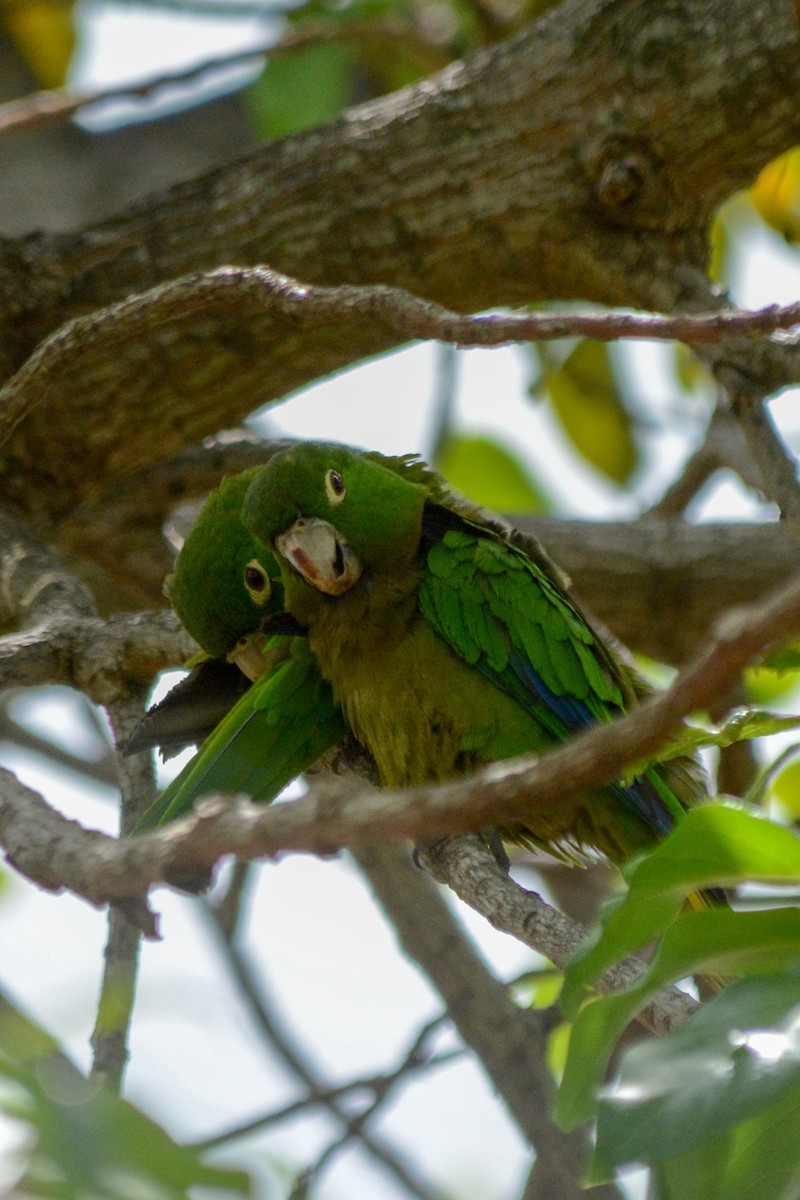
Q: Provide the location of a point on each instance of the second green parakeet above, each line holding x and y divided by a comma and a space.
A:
262, 734
446, 645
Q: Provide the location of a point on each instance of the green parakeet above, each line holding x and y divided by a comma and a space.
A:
260, 735
446, 645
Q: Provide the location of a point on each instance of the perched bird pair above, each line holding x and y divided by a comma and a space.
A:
415, 623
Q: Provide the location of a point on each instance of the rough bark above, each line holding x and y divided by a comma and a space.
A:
583, 158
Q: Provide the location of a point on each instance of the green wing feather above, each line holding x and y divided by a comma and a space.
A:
503, 615
500, 612
278, 729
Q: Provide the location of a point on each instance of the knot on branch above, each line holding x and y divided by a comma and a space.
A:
621, 182
622, 175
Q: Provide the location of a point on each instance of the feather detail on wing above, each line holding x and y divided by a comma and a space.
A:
500, 613
278, 729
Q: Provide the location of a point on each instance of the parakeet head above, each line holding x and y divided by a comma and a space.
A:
333, 512
224, 584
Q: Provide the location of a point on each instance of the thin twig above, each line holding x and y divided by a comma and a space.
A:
776, 466
43, 110
324, 1097
723, 446
103, 770
118, 989
508, 1041
284, 1045
416, 1057
56, 852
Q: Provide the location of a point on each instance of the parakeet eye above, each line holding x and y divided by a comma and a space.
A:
257, 581
334, 487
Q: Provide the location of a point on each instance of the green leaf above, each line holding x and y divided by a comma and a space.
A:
85, 1141
695, 1174
743, 724
785, 786
785, 659
585, 397
713, 845
719, 941
490, 474
763, 1161
736, 1058
767, 685
302, 89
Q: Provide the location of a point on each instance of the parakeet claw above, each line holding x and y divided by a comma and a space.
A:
321, 554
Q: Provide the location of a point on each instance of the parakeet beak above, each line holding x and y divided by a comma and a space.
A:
248, 654
321, 554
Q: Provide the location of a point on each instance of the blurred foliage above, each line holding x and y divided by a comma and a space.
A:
336, 54
741, 725
584, 393
704, 1104
43, 32
80, 1142
302, 89
489, 473
784, 782
768, 685
786, 658
354, 52
776, 195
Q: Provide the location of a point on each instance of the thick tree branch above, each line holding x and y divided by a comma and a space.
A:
466, 865
150, 338
509, 1042
532, 199
57, 853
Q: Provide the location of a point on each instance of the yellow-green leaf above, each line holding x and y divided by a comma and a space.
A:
43, 33
776, 194
490, 474
585, 397
785, 787
302, 89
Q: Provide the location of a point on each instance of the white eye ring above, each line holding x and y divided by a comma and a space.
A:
257, 582
334, 487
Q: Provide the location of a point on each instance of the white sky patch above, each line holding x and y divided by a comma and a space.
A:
120, 44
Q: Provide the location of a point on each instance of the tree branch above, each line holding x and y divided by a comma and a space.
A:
45, 109
524, 205
466, 865
330, 818
508, 1041
58, 854
282, 1043
417, 1056
150, 339
776, 466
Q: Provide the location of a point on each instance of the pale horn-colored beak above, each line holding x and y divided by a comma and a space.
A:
249, 656
321, 554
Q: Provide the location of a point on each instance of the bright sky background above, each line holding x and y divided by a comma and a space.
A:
334, 966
